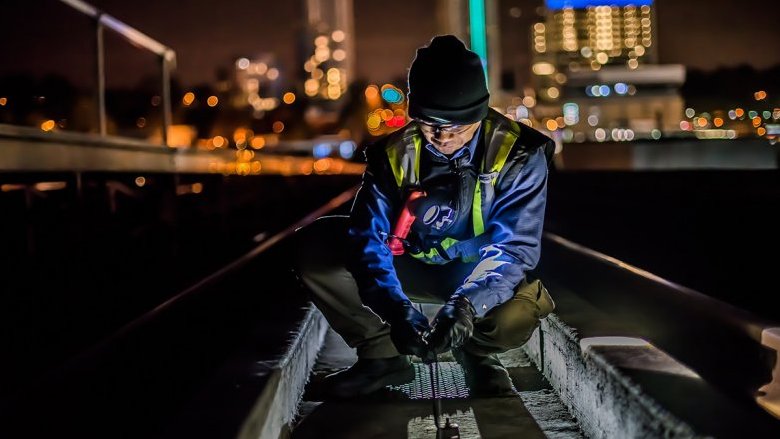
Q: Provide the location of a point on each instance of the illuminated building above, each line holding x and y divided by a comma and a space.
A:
258, 82
598, 59
329, 62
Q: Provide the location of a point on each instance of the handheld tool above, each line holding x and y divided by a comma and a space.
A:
448, 430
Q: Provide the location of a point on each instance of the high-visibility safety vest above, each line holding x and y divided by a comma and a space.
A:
500, 134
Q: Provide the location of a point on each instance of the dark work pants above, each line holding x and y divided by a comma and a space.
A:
321, 252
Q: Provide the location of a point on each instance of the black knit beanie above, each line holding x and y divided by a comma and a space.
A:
447, 83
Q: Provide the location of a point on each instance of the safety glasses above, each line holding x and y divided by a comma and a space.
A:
443, 128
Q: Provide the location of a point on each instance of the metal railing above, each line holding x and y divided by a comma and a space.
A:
166, 56
731, 348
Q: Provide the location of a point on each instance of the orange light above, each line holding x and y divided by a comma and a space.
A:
218, 141
243, 168
12, 187
373, 121
322, 165
288, 98
48, 125
212, 101
306, 168
188, 98
278, 126
756, 121
739, 112
140, 181
3, 101
718, 122
760, 95
50, 186
552, 125
257, 142
761, 131
372, 92
702, 122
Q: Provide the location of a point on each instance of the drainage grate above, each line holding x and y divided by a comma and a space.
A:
452, 384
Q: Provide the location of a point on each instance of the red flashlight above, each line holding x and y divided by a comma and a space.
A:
403, 225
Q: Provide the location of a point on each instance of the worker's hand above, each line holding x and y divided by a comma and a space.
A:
452, 326
407, 326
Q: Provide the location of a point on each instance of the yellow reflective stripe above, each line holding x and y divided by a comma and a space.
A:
503, 154
395, 164
396, 154
476, 210
476, 203
501, 157
448, 242
434, 252
425, 256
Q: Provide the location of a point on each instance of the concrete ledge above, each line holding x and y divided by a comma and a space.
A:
606, 402
277, 405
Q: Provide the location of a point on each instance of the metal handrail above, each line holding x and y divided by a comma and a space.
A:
166, 55
213, 278
750, 324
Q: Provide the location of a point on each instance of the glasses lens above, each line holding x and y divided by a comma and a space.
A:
443, 127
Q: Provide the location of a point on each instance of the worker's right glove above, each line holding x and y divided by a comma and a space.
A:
407, 326
452, 326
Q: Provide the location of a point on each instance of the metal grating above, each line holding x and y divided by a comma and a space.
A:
452, 384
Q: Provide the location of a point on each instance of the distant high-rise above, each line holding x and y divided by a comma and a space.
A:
330, 56
258, 84
587, 35
598, 59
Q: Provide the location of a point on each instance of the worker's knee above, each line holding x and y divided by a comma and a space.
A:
509, 327
511, 324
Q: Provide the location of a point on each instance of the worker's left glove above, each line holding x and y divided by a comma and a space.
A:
452, 326
407, 326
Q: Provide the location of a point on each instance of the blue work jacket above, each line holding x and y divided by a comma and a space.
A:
509, 247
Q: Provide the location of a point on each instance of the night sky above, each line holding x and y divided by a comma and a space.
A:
45, 36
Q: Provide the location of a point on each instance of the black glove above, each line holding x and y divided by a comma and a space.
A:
452, 326
407, 326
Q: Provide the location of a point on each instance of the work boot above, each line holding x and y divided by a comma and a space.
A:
485, 375
369, 375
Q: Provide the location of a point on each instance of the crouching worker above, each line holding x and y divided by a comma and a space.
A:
450, 211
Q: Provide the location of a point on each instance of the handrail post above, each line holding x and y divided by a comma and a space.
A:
101, 75
166, 54
166, 95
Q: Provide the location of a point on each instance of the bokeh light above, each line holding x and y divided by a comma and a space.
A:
392, 94
188, 98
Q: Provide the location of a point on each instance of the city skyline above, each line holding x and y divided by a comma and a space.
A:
386, 37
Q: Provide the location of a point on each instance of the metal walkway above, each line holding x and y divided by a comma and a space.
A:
405, 411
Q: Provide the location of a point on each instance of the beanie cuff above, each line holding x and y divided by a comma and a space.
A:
458, 116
